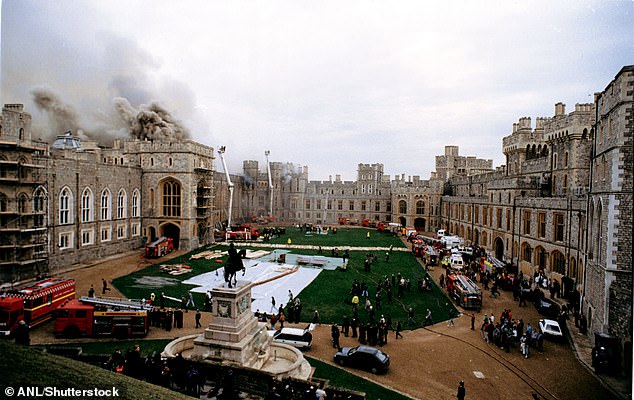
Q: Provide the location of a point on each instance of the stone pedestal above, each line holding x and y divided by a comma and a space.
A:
234, 335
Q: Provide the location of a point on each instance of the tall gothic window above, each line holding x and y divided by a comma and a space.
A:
86, 206
171, 199
402, 207
136, 211
39, 198
420, 207
105, 205
121, 204
65, 206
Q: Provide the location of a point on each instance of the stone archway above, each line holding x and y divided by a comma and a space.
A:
498, 245
402, 221
420, 224
173, 231
152, 234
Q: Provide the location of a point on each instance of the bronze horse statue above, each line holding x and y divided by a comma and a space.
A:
234, 264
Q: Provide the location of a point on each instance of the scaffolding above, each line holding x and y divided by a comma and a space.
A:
23, 212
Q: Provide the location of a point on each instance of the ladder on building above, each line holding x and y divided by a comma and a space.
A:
116, 303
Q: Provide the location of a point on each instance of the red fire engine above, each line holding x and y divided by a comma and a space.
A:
94, 316
464, 291
34, 304
159, 248
242, 232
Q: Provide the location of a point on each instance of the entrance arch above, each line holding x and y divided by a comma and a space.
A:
152, 234
420, 224
402, 221
498, 245
173, 231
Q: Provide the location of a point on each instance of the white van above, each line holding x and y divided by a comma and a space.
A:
451, 241
456, 262
440, 233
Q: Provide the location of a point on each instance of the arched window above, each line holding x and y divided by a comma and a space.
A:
122, 202
420, 207
527, 252
86, 206
151, 201
65, 206
558, 262
555, 161
105, 205
39, 206
402, 207
22, 200
136, 209
591, 230
171, 198
21, 133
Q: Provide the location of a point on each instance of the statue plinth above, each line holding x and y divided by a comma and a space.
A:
234, 334
236, 337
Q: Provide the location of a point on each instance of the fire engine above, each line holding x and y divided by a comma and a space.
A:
242, 232
95, 316
464, 291
160, 247
34, 304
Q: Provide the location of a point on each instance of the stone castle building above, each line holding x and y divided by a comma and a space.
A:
71, 202
561, 203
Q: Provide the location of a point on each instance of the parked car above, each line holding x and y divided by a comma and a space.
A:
550, 328
363, 357
547, 308
296, 337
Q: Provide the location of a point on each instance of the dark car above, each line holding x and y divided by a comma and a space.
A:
363, 357
547, 308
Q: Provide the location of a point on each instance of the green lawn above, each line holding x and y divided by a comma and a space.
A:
329, 292
356, 237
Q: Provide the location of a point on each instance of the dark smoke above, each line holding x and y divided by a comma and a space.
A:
62, 117
150, 122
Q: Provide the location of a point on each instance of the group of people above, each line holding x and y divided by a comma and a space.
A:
372, 332
166, 318
291, 313
508, 332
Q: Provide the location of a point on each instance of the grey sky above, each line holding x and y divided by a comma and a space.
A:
325, 84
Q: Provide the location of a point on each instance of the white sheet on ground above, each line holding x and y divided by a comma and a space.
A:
256, 271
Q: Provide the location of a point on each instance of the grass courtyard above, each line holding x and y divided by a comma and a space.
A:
329, 293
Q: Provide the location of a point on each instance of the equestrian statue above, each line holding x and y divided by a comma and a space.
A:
234, 264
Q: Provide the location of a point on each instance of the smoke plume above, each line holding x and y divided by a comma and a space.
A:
151, 122
62, 117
